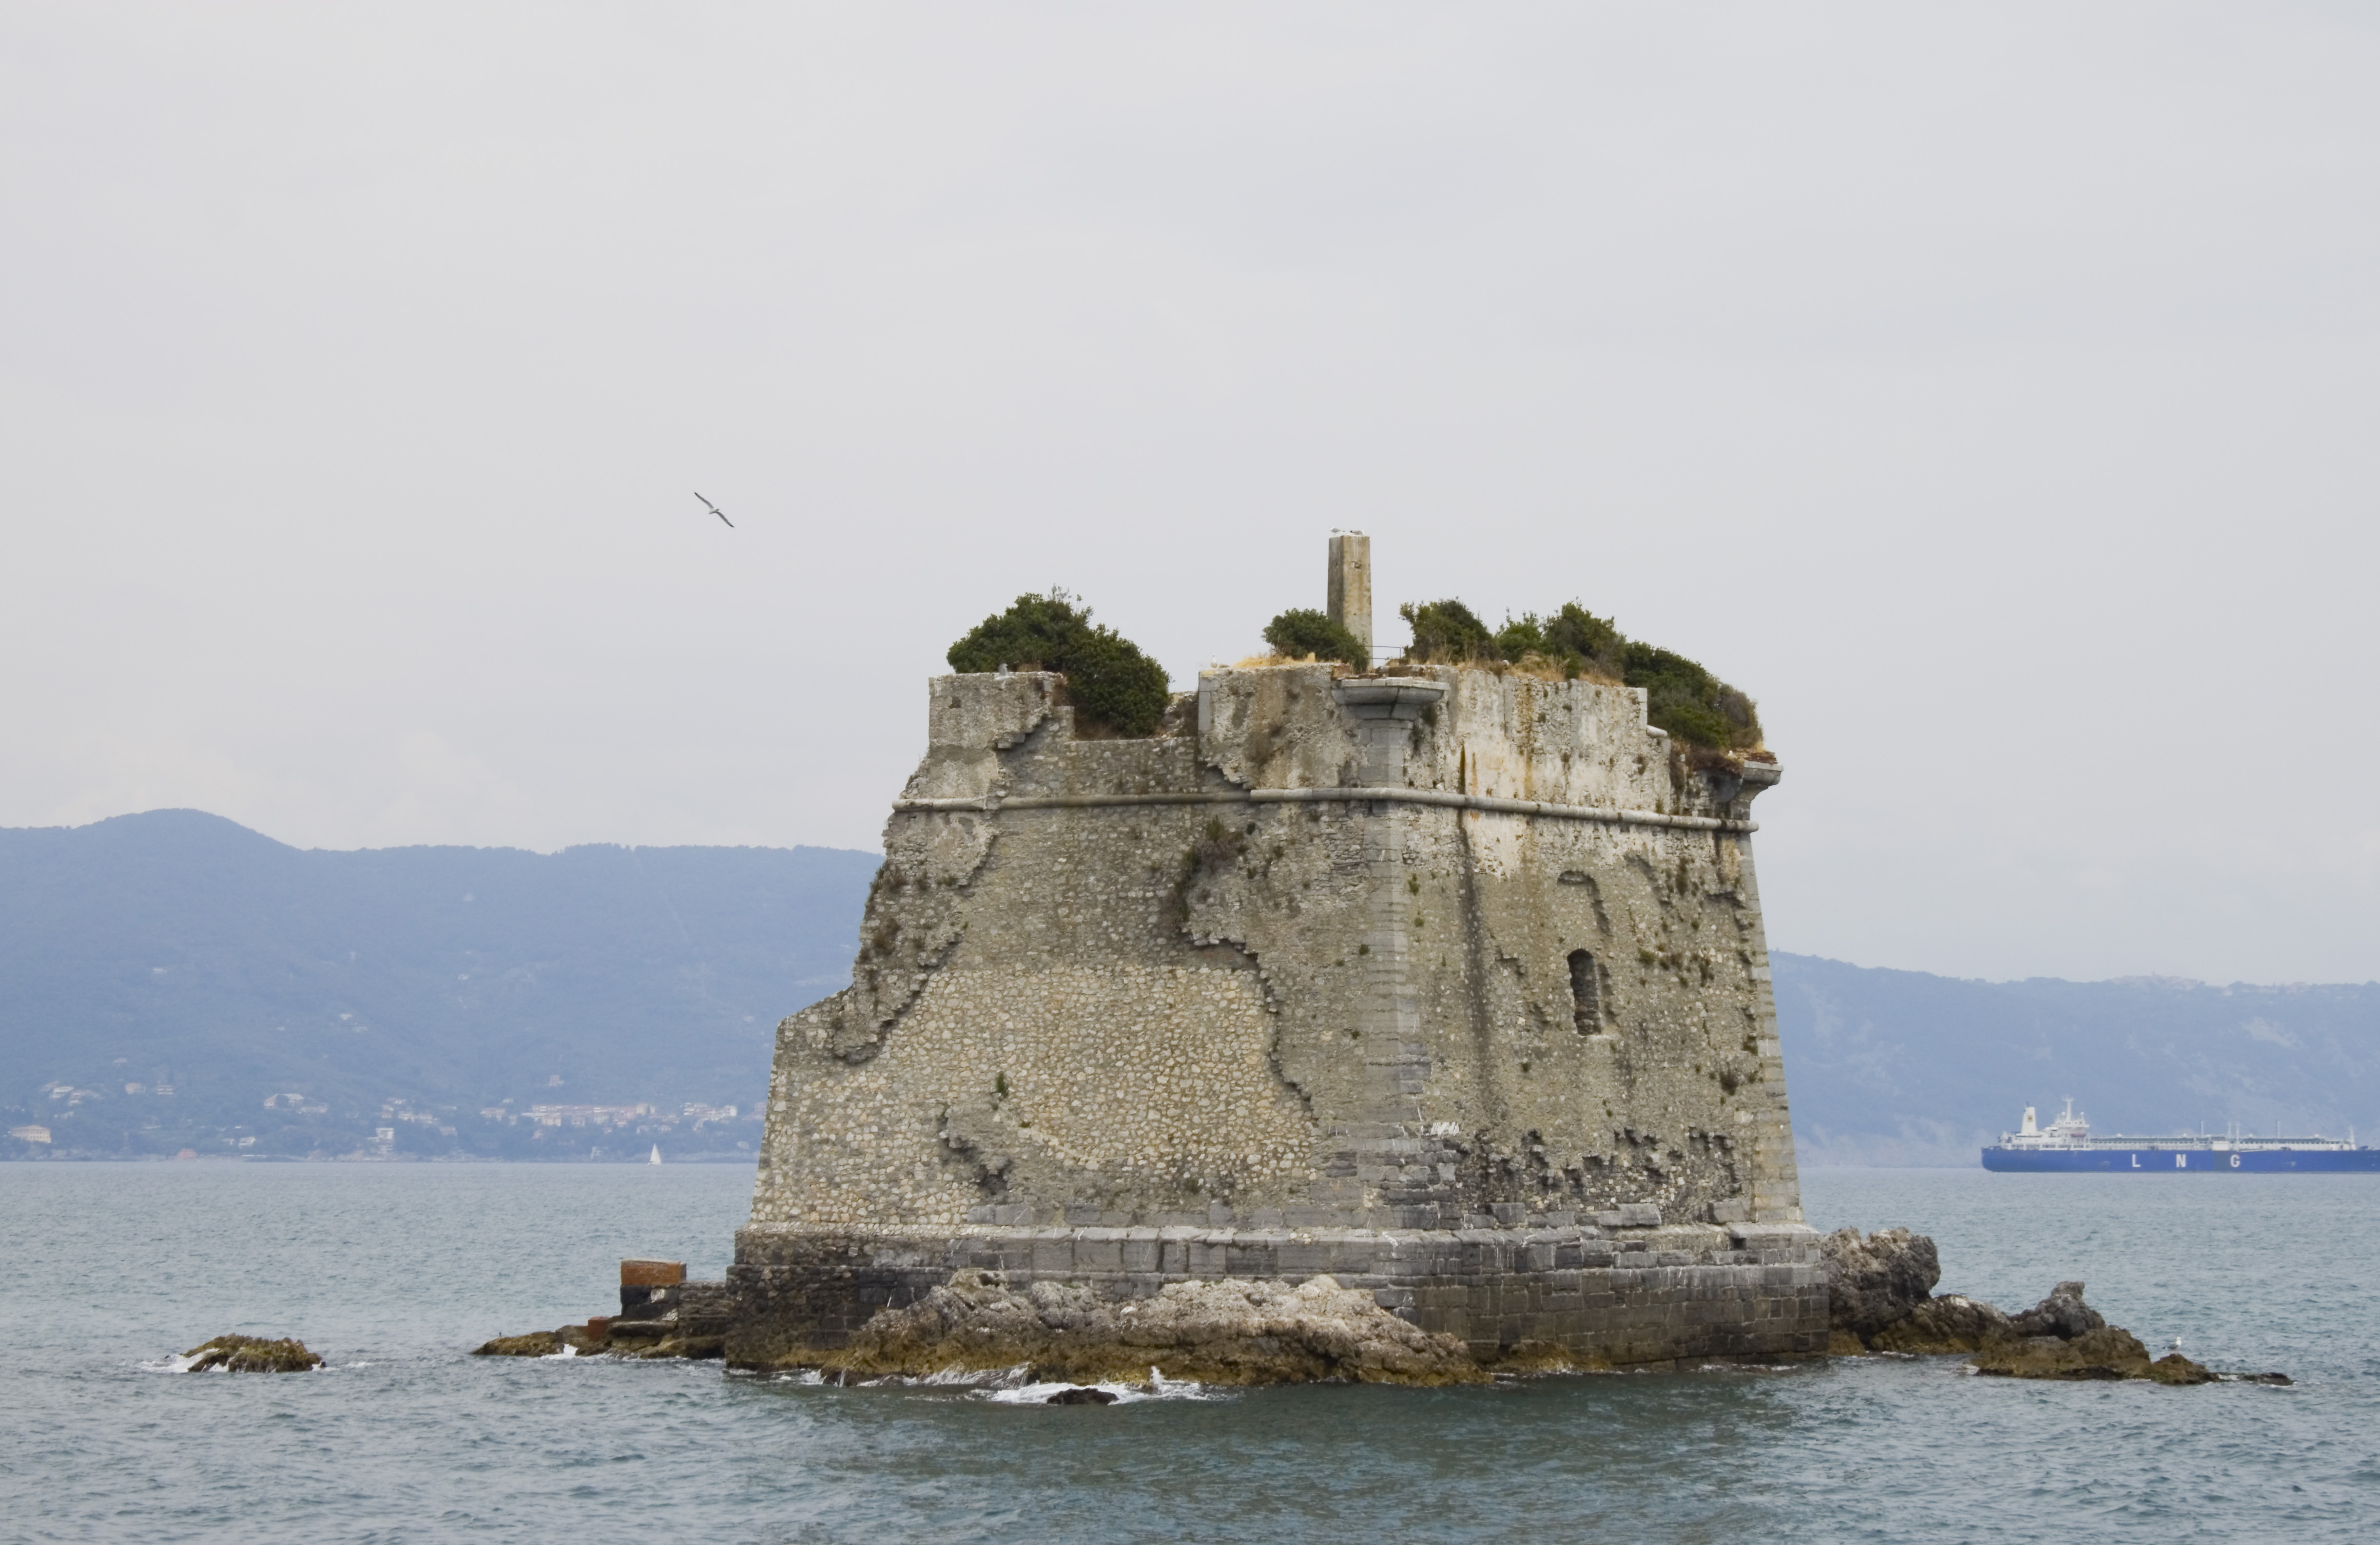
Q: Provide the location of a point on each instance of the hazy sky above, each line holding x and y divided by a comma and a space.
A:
1990, 391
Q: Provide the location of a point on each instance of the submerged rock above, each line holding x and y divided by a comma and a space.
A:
253, 1355
1879, 1281
1232, 1331
1081, 1394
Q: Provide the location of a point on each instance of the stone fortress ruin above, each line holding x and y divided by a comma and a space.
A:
1446, 982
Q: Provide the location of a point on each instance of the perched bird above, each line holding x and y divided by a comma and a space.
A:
715, 510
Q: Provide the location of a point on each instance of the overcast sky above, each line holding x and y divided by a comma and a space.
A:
1990, 391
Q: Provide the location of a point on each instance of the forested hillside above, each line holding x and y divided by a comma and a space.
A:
1901, 1067
400, 989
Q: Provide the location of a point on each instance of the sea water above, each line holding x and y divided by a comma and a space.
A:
393, 1273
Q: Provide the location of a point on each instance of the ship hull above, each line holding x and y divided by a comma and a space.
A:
2187, 1161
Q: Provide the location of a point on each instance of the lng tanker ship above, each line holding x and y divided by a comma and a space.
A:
2066, 1145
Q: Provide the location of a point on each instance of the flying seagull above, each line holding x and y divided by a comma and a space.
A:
716, 510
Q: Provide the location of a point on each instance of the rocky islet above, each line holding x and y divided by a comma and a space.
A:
1880, 1293
237, 1354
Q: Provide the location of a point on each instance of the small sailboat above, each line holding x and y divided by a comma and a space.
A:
656, 1155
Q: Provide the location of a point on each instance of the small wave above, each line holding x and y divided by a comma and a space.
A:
1008, 1377
181, 1363
1011, 1386
1158, 1388
568, 1351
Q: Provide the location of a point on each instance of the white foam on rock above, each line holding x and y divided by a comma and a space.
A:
1125, 1395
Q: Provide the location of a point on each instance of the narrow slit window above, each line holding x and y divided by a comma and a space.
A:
1584, 1010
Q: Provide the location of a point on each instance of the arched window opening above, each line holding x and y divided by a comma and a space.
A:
1585, 1012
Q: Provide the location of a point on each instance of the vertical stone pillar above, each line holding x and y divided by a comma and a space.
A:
1775, 1179
1351, 586
1384, 1169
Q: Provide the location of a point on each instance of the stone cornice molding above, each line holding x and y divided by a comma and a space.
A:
1445, 799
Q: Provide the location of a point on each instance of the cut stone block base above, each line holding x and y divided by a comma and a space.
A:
1595, 1297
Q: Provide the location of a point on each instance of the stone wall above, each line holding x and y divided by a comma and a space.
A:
1389, 958
1634, 1295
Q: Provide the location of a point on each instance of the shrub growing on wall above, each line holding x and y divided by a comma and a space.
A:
1574, 638
1445, 631
1298, 633
1690, 703
1680, 697
1114, 687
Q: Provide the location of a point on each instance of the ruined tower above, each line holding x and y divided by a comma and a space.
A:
1349, 586
1449, 982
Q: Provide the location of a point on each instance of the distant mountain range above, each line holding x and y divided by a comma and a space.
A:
173, 981
1898, 1067
400, 991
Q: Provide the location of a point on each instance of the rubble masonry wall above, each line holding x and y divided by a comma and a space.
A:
1190, 983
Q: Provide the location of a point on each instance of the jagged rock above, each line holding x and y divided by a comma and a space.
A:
2062, 1337
1950, 1323
1875, 1281
1081, 1396
1877, 1291
603, 1335
2063, 1314
2107, 1352
693, 1348
253, 1355
1229, 1332
537, 1343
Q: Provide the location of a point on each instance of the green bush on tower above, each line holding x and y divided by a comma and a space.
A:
1116, 690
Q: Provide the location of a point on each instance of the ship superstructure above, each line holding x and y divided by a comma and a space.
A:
2066, 1145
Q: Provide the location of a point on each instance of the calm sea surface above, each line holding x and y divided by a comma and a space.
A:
394, 1271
